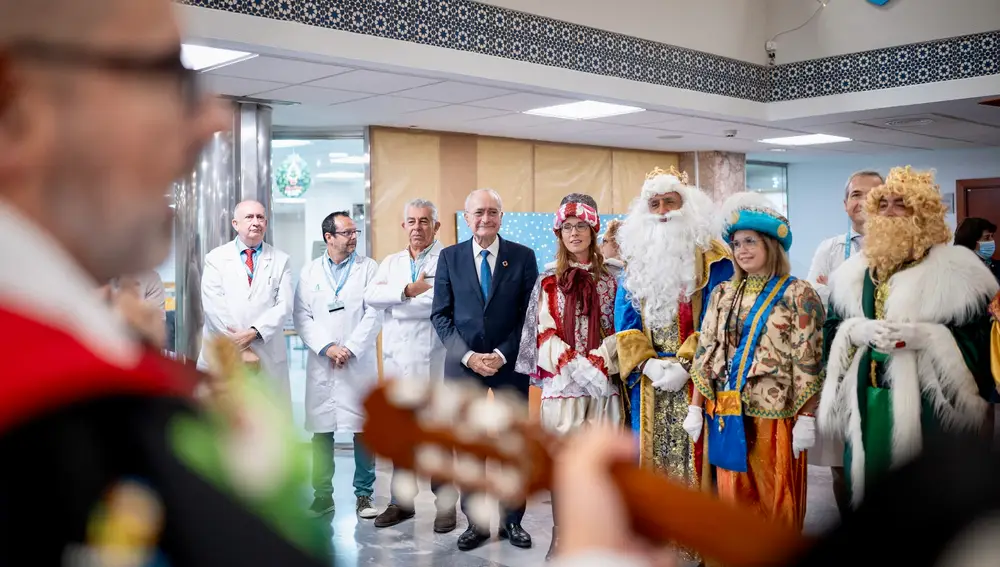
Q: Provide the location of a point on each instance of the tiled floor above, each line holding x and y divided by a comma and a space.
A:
414, 543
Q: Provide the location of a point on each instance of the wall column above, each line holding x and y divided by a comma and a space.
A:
235, 166
719, 174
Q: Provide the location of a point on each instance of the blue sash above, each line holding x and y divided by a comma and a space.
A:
727, 440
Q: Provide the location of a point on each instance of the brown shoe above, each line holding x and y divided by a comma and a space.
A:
445, 521
392, 516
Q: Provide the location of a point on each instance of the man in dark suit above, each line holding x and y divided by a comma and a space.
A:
481, 293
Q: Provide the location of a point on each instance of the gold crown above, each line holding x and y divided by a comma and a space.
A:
672, 171
907, 179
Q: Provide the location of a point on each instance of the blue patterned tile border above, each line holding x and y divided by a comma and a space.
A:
489, 30
915, 64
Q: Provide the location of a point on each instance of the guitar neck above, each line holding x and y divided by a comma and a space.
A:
664, 511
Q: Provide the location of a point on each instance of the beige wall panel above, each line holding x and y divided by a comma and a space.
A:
404, 166
458, 179
629, 169
560, 170
508, 167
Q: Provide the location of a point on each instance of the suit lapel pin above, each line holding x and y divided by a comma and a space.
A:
504, 263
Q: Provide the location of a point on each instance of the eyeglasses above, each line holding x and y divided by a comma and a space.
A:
748, 242
166, 64
347, 233
579, 227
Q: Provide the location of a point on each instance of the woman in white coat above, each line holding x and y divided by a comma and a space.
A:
339, 328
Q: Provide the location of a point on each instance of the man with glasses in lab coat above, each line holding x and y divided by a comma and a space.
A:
411, 349
339, 328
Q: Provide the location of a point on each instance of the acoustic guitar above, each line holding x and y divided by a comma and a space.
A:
452, 432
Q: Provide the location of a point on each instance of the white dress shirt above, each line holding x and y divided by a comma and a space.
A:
830, 254
491, 260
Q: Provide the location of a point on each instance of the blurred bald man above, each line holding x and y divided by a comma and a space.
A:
247, 295
107, 459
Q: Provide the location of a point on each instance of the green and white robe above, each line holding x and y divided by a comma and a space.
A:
885, 410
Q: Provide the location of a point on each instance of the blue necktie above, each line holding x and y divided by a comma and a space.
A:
485, 277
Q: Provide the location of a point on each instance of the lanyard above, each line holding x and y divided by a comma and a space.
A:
253, 254
417, 265
343, 279
848, 245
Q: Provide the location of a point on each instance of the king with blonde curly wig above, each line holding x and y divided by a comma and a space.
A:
905, 219
907, 334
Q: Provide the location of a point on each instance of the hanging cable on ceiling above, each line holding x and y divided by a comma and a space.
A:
769, 45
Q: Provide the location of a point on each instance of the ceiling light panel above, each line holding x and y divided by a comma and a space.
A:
203, 58
806, 140
585, 110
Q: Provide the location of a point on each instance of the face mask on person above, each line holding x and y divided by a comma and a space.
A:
986, 249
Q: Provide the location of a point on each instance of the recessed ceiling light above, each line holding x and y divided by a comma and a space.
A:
910, 122
584, 110
351, 159
777, 150
340, 175
670, 137
289, 143
202, 58
806, 140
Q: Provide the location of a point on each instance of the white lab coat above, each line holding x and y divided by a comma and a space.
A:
228, 301
828, 257
828, 450
411, 348
334, 396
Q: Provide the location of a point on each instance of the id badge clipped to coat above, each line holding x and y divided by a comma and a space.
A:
334, 305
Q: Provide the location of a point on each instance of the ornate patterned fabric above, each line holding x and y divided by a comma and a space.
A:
786, 368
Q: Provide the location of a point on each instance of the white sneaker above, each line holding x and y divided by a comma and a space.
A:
366, 509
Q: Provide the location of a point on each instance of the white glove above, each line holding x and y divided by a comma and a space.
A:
864, 333
900, 336
693, 423
803, 434
666, 375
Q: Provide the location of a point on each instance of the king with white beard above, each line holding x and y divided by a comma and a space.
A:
673, 260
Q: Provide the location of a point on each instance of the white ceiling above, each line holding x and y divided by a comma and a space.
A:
330, 97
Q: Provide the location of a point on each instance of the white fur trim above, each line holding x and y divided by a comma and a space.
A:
951, 285
955, 395
907, 432
742, 200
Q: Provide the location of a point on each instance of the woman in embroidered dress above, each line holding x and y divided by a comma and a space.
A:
758, 368
572, 330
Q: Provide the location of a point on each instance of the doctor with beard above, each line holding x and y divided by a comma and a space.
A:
339, 328
673, 260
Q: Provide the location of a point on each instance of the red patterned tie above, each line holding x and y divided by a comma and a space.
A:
249, 252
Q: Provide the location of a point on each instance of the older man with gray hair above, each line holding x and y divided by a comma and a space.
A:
404, 290
99, 118
481, 293
830, 254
